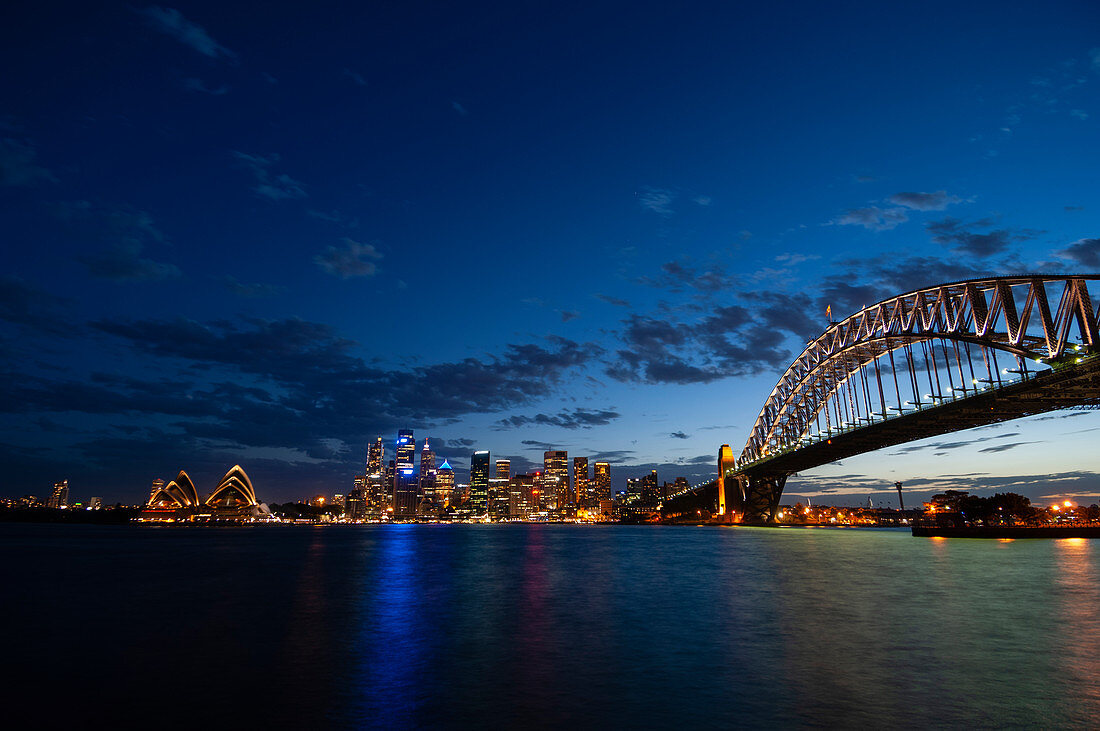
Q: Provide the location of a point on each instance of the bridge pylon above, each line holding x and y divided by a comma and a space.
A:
729, 490
761, 497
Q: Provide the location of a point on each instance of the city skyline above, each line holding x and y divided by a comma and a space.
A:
521, 231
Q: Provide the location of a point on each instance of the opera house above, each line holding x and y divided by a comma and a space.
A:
233, 499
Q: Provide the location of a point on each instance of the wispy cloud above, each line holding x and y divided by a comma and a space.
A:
965, 238
679, 435
355, 76
198, 85
872, 218
18, 165
171, 22
612, 300
936, 201
462, 111
566, 419
658, 200
353, 259
1085, 252
250, 291
275, 187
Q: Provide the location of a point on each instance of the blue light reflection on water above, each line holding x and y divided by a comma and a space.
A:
499, 626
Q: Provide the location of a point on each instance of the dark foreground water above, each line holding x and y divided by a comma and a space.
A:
544, 626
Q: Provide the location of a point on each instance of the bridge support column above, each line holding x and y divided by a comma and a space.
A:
729, 492
762, 493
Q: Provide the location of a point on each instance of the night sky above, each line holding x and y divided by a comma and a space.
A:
266, 233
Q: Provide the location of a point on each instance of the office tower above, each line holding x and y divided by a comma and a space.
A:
428, 475
355, 506
376, 457
339, 500
499, 496
504, 469
650, 495
479, 483
404, 477
59, 498
601, 477
445, 483
634, 491
556, 478
581, 483
95, 503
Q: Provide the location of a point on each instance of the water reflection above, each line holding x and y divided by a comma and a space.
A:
1078, 627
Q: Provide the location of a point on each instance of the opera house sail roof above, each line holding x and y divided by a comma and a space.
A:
232, 498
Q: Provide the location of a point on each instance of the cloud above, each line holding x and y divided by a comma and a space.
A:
26, 305
198, 85
1004, 447
936, 201
123, 262
679, 435
171, 22
792, 259
872, 218
274, 187
566, 419
462, 111
682, 275
962, 237
1085, 252
354, 76
567, 315
18, 166
352, 260
1079, 114
612, 300
250, 291
702, 200
657, 200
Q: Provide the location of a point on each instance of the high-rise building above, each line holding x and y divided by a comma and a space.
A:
355, 506
479, 483
59, 498
376, 457
581, 483
445, 483
519, 496
556, 478
503, 469
650, 492
339, 500
634, 491
95, 503
405, 484
499, 498
601, 477
428, 475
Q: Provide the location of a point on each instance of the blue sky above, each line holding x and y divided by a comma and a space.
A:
265, 233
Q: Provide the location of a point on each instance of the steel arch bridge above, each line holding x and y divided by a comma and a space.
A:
919, 364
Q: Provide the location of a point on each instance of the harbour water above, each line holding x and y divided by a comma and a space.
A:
505, 626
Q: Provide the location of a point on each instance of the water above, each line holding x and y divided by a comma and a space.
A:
546, 626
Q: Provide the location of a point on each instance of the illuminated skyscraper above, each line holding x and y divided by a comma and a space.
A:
650, 493
582, 486
59, 498
428, 475
445, 483
376, 456
504, 469
499, 494
556, 477
479, 483
404, 476
601, 478
355, 506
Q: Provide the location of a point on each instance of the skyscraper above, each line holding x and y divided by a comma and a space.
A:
650, 494
355, 506
404, 476
556, 477
428, 474
479, 483
445, 483
581, 484
504, 468
601, 478
376, 455
59, 498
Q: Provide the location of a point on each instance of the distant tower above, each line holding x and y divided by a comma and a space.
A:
59, 498
602, 478
581, 484
445, 483
376, 455
555, 465
404, 476
897, 486
479, 482
650, 496
428, 474
503, 469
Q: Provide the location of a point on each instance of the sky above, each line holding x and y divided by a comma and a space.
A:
266, 233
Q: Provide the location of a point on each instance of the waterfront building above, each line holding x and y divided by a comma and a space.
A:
405, 483
519, 496
650, 493
180, 493
445, 483
479, 483
634, 491
556, 477
95, 503
233, 498
428, 475
388, 474
59, 498
339, 500
355, 507
503, 469
499, 498
601, 477
581, 483
156, 486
